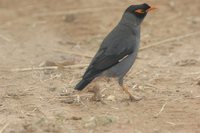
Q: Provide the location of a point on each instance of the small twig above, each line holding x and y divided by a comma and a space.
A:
161, 110
72, 80
74, 98
53, 77
171, 123
170, 40
163, 107
193, 73
8, 85
47, 68
74, 95
4, 127
153, 86
115, 108
134, 86
35, 109
103, 90
5, 38
78, 99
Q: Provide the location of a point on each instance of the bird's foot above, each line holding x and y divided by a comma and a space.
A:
96, 97
134, 99
97, 93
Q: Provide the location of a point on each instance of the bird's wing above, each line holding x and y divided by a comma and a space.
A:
109, 55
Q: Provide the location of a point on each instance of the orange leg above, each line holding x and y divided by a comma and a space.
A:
96, 90
132, 98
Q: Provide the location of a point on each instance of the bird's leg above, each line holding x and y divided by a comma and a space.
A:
132, 98
95, 88
125, 89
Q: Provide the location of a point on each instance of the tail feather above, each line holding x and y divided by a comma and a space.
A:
82, 84
87, 78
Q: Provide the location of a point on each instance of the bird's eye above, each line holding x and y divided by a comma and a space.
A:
140, 11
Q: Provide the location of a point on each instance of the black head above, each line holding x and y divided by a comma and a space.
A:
139, 11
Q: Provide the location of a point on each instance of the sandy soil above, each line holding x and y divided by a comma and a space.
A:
166, 75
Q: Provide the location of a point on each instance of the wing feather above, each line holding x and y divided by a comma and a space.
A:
107, 57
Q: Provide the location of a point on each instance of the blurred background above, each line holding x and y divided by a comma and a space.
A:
37, 34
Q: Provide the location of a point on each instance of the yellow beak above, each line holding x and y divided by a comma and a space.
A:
151, 8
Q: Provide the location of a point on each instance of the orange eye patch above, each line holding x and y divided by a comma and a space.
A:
139, 11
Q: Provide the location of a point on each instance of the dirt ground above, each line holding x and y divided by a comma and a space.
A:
42, 33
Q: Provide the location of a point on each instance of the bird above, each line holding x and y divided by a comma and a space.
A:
118, 51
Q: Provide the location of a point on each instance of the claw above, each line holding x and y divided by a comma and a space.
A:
132, 98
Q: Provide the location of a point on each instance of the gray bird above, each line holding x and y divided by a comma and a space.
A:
118, 50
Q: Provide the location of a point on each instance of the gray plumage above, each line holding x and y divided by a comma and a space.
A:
118, 50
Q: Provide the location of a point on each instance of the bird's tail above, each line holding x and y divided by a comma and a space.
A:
82, 84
